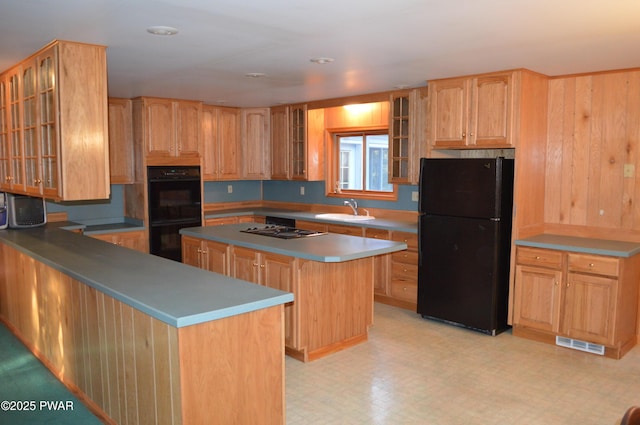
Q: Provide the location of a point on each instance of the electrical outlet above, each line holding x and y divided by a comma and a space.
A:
230, 188
629, 170
414, 196
301, 190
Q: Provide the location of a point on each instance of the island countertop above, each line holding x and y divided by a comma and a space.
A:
328, 248
175, 293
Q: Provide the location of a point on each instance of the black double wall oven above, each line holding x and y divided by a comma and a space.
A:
174, 203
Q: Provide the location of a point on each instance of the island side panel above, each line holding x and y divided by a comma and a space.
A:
232, 369
332, 292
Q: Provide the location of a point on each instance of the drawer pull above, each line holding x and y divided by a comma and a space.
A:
537, 257
591, 264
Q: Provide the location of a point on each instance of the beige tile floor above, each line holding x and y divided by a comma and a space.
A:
416, 371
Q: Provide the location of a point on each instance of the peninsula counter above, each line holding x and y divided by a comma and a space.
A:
143, 339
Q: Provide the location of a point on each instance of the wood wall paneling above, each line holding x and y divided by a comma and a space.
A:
593, 133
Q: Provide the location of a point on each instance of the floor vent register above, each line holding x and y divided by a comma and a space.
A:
576, 344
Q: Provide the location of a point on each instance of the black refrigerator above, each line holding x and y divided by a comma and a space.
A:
464, 241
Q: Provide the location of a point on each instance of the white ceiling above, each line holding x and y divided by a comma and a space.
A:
377, 44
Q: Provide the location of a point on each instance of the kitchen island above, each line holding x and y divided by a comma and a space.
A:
140, 338
330, 275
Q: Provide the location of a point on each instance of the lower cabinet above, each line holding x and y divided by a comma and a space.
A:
208, 255
273, 270
589, 298
401, 289
134, 240
333, 302
395, 275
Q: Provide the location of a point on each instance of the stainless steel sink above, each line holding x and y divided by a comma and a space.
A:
344, 217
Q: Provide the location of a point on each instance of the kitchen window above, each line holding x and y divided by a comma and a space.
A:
360, 164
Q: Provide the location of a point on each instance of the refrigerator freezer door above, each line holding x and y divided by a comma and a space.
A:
460, 271
465, 187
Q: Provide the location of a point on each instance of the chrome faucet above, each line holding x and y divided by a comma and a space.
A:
353, 204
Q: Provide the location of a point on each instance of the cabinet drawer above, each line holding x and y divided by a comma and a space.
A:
404, 271
376, 233
539, 257
345, 230
311, 225
411, 239
405, 257
594, 264
406, 291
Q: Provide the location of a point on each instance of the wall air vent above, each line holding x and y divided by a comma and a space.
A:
580, 345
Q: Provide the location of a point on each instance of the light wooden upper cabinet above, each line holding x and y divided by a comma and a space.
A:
5, 170
221, 143
297, 143
280, 162
256, 136
473, 112
406, 135
170, 128
56, 123
120, 141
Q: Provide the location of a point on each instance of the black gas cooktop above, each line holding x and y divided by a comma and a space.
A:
282, 232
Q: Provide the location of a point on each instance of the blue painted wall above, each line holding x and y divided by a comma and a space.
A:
100, 210
104, 211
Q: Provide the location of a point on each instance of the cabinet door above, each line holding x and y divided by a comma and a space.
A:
298, 140
590, 308
280, 143
5, 169
399, 138
192, 251
277, 271
210, 149
30, 157
244, 265
449, 112
256, 137
133, 240
537, 298
48, 128
216, 256
120, 141
160, 127
380, 263
14, 104
187, 128
492, 111
229, 143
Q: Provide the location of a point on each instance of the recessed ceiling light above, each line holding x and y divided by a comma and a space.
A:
254, 74
162, 30
322, 60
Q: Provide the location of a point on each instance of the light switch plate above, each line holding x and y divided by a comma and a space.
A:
229, 188
414, 196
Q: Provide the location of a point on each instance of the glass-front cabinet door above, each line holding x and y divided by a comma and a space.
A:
5, 172
399, 139
15, 129
298, 141
47, 65
30, 128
